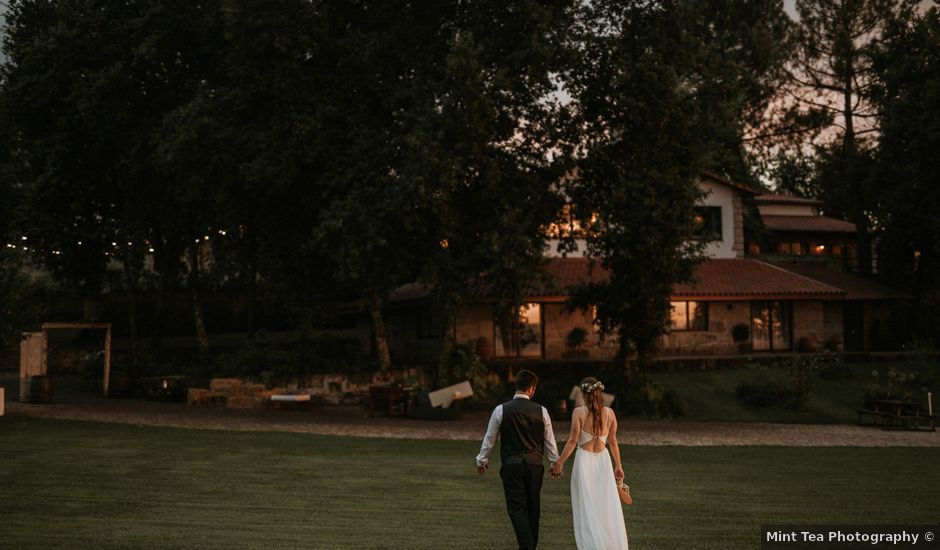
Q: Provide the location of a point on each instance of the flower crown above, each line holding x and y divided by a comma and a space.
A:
588, 388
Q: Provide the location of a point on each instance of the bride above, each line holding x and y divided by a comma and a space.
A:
595, 504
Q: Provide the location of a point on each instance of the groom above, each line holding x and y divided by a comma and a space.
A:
524, 429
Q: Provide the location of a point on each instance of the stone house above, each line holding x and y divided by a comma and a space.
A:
742, 300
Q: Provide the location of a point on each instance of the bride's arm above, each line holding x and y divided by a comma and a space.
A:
576, 420
614, 448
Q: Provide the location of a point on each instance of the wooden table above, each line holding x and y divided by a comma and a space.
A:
902, 414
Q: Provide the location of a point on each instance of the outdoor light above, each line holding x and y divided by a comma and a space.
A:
151, 249
24, 238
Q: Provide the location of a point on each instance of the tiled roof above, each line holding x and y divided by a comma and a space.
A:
856, 288
568, 272
815, 224
770, 198
715, 279
744, 278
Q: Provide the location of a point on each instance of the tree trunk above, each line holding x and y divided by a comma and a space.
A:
378, 328
90, 309
130, 284
166, 258
917, 288
201, 333
252, 290
448, 342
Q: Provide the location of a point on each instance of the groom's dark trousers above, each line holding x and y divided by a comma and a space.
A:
522, 444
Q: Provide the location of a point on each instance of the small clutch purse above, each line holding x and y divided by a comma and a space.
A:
623, 491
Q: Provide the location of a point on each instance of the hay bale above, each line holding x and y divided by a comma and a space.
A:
251, 390
226, 386
197, 396
243, 402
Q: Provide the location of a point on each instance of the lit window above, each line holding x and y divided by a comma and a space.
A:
688, 316
708, 223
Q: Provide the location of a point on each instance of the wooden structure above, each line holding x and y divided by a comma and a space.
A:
34, 353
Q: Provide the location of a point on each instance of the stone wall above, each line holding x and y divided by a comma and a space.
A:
717, 340
832, 325
559, 323
807, 324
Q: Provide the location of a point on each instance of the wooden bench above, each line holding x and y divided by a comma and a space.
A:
878, 418
903, 421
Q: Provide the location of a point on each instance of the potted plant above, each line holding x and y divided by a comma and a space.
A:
575, 339
741, 334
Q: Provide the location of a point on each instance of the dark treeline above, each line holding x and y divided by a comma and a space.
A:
332, 151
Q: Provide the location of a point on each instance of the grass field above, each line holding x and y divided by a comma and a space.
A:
88, 485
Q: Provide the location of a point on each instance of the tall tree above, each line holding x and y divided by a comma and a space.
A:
488, 181
907, 93
662, 91
88, 84
828, 89
634, 191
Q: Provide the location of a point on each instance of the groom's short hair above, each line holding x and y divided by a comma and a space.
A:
525, 379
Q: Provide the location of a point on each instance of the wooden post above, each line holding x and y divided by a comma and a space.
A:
107, 359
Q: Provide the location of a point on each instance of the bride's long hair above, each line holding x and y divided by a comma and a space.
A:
593, 391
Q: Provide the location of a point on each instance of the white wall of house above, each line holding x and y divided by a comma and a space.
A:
720, 195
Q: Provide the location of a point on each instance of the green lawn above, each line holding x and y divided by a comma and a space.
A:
88, 485
710, 395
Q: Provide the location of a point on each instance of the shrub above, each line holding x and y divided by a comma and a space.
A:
740, 332
576, 338
282, 363
786, 385
488, 390
899, 384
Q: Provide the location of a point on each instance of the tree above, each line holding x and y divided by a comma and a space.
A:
487, 176
829, 86
656, 104
634, 191
907, 95
87, 85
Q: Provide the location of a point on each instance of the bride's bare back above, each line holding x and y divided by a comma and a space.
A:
587, 440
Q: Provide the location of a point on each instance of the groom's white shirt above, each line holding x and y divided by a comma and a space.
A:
492, 434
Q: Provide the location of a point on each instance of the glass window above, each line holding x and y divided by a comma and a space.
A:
519, 334
708, 223
770, 325
688, 316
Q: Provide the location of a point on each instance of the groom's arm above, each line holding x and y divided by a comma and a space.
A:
551, 449
489, 440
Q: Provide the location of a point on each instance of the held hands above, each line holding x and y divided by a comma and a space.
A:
557, 470
482, 469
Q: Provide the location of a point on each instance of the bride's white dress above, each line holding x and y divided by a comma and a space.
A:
595, 505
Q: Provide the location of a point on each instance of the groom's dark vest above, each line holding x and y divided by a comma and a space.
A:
522, 432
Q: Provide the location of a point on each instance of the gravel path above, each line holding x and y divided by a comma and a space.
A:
352, 421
